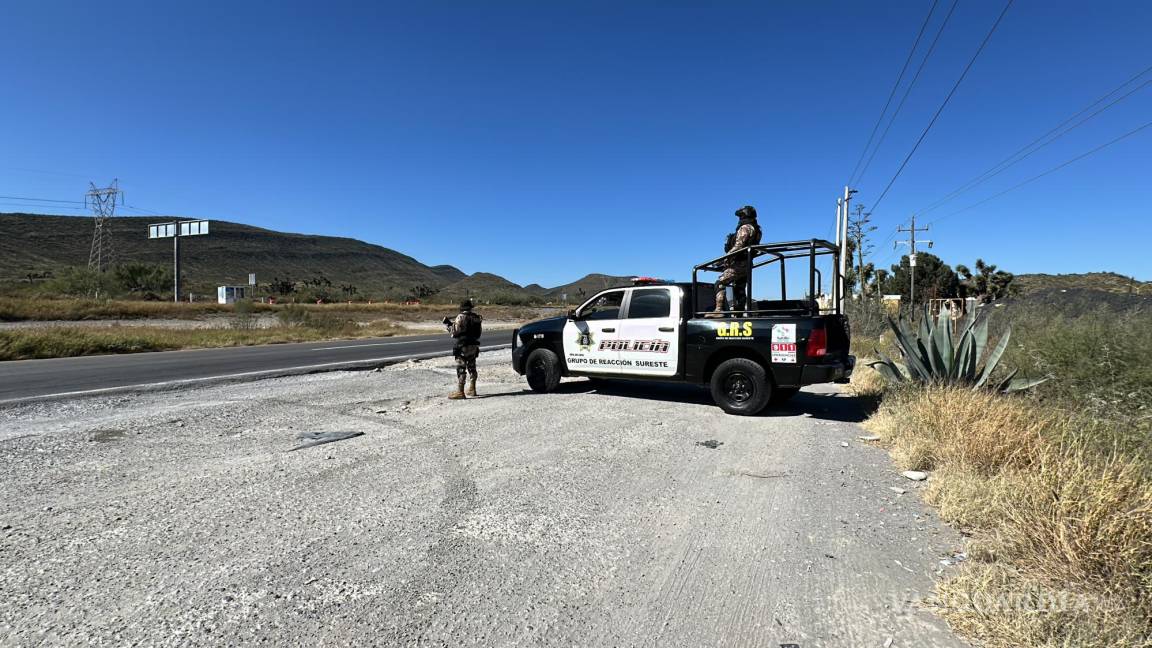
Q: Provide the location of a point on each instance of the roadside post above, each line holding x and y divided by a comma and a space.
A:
175, 230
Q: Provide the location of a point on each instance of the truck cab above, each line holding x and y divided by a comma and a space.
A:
760, 354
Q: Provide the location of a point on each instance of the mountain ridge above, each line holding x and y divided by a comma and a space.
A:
38, 245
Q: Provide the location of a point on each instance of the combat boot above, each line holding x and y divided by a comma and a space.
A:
471, 388
459, 393
721, 305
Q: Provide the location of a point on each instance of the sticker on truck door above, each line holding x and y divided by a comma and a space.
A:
784, 343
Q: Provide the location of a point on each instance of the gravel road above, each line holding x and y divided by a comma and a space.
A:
588, 517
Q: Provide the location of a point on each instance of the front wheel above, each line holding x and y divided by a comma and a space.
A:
542, 370
740, 386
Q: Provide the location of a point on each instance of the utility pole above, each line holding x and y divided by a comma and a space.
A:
842, 243
911, 243
102, 202
858, 229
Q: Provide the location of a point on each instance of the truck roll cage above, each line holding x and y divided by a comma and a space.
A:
758, 256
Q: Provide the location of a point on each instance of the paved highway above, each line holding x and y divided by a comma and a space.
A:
64, 377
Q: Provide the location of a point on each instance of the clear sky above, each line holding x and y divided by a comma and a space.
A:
545, 140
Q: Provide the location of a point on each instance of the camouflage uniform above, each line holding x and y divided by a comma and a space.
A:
466, 351
736, 267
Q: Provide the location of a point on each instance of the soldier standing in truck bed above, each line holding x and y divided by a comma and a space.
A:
466, 328
736, 266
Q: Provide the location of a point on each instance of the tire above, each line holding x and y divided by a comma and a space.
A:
542, 369
782, 395
740, 386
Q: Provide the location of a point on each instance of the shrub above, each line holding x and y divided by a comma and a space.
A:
934, 355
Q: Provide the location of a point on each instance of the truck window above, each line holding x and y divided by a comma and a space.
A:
604, 307
650, 302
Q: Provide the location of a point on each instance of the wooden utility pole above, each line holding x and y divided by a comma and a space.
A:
911, 243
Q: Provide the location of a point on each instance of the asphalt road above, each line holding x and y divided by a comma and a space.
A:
86, 375
600, 515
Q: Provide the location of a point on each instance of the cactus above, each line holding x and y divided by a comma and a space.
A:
933, 355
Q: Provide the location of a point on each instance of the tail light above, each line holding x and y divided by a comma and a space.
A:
817, 343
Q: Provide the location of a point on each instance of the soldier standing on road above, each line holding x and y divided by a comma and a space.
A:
736, 265
466, 328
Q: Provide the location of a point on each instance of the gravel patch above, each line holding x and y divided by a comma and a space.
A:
615, 515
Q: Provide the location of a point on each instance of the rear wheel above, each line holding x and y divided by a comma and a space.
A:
740, 386
542, 369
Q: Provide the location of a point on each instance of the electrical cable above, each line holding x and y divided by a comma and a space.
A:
44, 206
1020, 154
895, 86
932, 122
1049, 171
48, 200
908, 90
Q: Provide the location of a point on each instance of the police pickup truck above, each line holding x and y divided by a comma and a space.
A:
755, 354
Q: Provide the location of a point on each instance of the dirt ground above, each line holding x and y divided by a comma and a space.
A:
601, 515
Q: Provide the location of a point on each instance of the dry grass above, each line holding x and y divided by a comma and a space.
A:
865, 382
58, 342
960, 428
1004, 608
1061, 521
40, 309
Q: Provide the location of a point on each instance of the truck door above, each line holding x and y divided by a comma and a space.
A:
650, 332
590, 339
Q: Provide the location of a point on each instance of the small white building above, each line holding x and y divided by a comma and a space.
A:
229, 294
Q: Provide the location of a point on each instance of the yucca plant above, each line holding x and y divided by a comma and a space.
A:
934, 355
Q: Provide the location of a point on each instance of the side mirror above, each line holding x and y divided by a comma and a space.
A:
571, 313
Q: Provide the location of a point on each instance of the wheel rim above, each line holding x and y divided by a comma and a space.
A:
738, 387
537, 366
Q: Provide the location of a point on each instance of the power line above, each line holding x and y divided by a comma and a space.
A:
908, 90
43, 206
143, 211
48, 200
1021, 154
895, 86
940, 110
1049, 171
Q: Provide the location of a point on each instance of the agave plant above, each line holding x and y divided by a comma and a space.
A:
933, 354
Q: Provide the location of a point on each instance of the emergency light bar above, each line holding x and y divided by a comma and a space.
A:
646, 281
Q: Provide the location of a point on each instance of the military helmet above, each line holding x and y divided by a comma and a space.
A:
747, 211
466, 304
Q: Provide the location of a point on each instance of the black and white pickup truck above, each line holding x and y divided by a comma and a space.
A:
762, 353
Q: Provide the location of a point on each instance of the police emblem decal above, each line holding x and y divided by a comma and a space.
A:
584, 340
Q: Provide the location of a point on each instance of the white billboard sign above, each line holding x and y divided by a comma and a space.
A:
187, 228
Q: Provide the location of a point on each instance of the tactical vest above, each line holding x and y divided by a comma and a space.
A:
473, 328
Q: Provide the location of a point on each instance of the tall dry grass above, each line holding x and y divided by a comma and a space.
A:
1058, 515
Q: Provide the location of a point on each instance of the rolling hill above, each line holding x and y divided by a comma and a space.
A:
1103, 281
41, 245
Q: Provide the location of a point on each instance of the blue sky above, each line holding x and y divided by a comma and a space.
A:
542, 141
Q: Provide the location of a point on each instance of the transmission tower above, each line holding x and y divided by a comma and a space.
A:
102, 202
